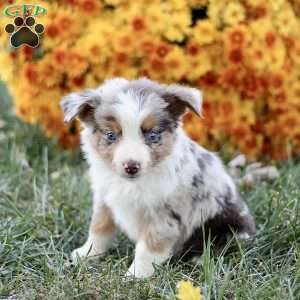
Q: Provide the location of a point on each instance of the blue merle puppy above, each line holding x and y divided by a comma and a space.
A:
149, 179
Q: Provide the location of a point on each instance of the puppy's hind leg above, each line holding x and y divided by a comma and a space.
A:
245, 224
234, 217
101, 233
237, 217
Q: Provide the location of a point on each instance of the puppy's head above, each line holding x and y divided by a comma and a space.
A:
132, 124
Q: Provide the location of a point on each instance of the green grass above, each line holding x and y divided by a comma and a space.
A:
44, 211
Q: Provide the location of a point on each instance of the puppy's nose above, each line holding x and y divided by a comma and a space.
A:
131, 167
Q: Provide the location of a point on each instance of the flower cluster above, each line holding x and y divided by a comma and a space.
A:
244, 55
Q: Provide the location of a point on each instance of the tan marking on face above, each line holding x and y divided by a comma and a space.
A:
102, 221
99, 141
110, 123
149, 123
162, 149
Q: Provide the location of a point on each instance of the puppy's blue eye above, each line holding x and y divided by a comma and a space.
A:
111, 136
152, 136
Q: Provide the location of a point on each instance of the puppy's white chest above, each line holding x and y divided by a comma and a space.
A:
129, 219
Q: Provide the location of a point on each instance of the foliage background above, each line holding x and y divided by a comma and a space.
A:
244, 55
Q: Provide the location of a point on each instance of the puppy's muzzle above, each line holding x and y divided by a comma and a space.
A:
132, 168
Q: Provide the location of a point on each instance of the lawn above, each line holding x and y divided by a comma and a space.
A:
44, 211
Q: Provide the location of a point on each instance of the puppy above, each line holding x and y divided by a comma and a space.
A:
149, 179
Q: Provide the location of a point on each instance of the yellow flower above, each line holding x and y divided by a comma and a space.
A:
215, 10
177, 22
176, 64
95, 47
256, 56
186, 291
127, 12
198, 65
261, 27
204, 32
158, 19
276, 5
285, 20
246, 112
234, 13
276, 56
91, 81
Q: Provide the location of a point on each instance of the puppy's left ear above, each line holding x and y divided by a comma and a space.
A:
181, 97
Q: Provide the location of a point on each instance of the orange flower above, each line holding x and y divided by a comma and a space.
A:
90, 7
235, 55
120, 58
52, 31
230, 77
126, 42
157, 65
64, 22
208, 80
192, 48
276, 82
162, 49
148, 46
270, 39
138, 23
31, 74
76, 82
251, 85
237, 36
60, 56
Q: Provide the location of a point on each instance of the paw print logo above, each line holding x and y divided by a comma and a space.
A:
23, 32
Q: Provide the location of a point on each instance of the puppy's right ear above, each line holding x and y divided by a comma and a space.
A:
81, 105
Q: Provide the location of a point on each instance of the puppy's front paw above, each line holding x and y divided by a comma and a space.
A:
80, 253
95, 245
141, 271
244, 236
87, 250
